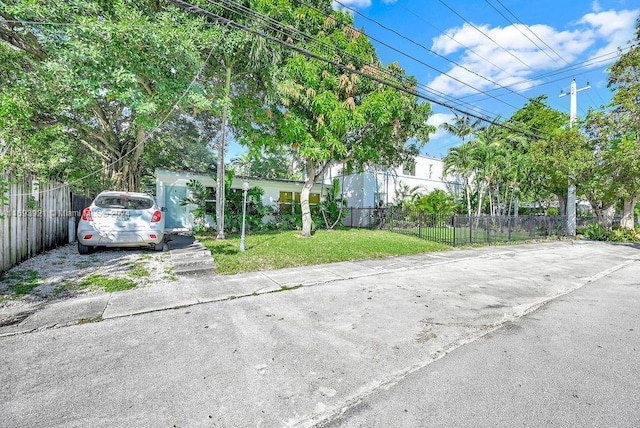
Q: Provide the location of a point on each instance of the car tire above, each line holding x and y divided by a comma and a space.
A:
159, 246
83, 249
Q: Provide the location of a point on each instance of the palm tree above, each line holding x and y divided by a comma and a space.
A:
462, 127
240, 59
461, 161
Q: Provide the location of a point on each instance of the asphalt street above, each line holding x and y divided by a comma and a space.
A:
574, 362
527, 335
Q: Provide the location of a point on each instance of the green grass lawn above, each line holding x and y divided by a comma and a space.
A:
276, 250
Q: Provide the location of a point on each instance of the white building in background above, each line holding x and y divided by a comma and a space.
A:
370, 189
377, 186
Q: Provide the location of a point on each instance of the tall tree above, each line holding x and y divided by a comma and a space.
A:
614, 171
461, 161
240, 66
547, 171
624, 79
330, 114
105, 73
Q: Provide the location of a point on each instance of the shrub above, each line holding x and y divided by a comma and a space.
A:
595, 232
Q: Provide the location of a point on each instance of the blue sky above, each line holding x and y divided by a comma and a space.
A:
490, 56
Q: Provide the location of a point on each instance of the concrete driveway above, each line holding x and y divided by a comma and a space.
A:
304, 356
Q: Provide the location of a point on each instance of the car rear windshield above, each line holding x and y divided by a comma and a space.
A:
124, 202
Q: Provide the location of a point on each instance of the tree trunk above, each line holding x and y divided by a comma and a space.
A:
605, 216
562, 204
480, 200
304, 200
220, 196
627, 221
467, 190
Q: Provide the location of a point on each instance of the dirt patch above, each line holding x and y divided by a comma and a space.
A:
63, 273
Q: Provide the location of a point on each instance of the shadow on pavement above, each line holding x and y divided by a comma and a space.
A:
177, 242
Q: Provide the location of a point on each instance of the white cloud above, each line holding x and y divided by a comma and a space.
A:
358, 3
616, 29
512, 55
352, 3
503, 55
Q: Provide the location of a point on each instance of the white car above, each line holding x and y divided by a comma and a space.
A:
121, 219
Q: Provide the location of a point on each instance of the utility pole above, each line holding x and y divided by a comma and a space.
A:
571, 193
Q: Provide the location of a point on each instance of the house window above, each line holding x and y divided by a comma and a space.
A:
288, 200
285, 202
409, 168
314, 198
430, 169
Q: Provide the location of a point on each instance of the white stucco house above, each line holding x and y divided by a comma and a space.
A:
372, 188
171, 189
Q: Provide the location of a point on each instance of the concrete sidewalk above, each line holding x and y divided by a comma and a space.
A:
208, 287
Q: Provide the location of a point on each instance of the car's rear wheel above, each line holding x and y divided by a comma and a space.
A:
159, 246
83, 249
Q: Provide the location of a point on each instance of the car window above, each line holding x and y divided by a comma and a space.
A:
121, 202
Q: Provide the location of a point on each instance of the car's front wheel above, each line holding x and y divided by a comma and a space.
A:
83, 249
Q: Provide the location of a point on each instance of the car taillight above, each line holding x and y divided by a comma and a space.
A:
157, 216
86, 214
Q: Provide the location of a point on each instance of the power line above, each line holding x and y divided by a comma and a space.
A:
521, 32
468, 49
432, 52
532, 32
196, 9
281, 28
566, 70
485, 34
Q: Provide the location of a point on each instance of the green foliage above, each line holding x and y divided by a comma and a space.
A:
436, 202
620, 234
270, 163
276, 250
138, 270
332, 207
284, 221
84, 94
199, 193
4, 190
108, 284
255, 210
327, 114
597, 232
20, 283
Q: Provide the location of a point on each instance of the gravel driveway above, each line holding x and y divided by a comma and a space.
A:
62, 273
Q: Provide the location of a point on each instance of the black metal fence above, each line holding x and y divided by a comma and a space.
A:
457, 229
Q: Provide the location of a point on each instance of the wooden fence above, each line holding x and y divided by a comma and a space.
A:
34, 217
